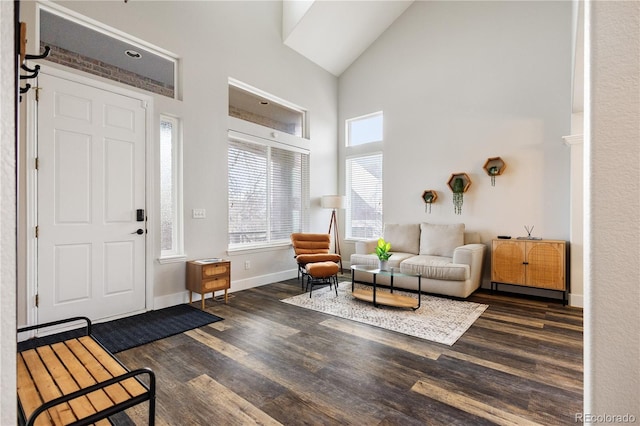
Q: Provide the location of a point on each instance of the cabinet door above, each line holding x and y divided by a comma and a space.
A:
546, 267
508, 262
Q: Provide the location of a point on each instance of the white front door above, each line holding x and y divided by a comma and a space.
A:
91, 183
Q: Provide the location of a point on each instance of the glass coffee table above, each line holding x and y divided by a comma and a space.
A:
388, 298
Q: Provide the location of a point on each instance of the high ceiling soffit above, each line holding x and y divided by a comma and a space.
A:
333, 34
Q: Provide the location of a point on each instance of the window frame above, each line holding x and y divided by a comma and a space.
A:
349, 121
261, 95
176, 253
251, 132
359, 151
305, 191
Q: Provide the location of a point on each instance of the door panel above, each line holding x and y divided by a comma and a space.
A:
72, 273
72, 177
119, 173
91, 180
119, 267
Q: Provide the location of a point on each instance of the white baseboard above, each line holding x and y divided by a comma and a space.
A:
576, 300
247, 283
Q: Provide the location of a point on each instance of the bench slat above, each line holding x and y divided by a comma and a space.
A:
60, 414
81, 406
116, 392
133, 387
99, 399
27, 392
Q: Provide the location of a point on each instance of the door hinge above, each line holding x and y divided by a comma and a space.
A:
37, 231
37, 300
37, 163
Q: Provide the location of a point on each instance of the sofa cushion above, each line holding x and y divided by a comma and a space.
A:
403, 238
440, 240
436, 267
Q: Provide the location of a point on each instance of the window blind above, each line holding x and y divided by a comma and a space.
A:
364, 184
268, 193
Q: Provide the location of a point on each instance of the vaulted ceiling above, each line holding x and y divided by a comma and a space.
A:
333, 34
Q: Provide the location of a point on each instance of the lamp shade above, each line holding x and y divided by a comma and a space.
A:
333, 201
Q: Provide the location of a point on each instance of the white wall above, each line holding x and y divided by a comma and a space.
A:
612, 222
215, 41
8, 216
460, 82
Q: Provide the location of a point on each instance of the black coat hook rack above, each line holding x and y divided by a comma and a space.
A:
32, 72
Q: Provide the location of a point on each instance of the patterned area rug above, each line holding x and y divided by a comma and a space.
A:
438, 319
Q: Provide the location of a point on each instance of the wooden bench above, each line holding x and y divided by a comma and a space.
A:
77, 381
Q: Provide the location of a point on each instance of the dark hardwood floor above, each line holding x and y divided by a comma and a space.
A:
269, 362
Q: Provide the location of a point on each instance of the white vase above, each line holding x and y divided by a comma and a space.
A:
382, 264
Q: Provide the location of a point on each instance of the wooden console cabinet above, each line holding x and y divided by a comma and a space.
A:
208, 276
530, 263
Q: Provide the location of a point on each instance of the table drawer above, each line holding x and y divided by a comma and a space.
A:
215, 284
214, 269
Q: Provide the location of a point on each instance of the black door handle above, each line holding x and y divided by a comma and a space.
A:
139, 231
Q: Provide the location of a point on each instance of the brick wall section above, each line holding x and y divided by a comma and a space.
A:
99, 68
264, 121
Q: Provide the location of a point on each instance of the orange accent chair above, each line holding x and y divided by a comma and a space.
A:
313, 248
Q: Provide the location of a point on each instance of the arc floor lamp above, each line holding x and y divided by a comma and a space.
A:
334, 202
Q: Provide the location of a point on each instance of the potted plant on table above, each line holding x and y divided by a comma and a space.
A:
382, 251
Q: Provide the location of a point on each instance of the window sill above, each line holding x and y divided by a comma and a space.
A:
359, 240
257, 248
172, 259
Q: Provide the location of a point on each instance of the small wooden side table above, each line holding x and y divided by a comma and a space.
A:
208, 276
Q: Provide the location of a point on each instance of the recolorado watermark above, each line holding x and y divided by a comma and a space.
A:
587, 418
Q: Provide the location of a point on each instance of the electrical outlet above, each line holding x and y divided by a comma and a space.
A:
247, 264
198, 213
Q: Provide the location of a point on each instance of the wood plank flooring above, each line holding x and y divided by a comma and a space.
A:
269, 363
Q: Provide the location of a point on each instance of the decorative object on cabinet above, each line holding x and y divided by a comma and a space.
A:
208, 276
530, 263
429, 197
529, 231
334, 202
459, 183
494, 166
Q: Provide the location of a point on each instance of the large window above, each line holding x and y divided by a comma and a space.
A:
364, 216
170, 189
268, 192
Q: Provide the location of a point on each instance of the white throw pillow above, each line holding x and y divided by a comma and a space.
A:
440, 240
403, 238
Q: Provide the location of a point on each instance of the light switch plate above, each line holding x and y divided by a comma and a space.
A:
198, 213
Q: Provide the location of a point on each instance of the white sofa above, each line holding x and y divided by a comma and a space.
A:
449, 259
